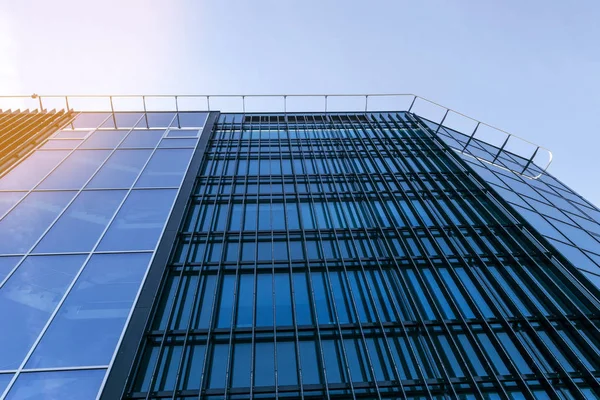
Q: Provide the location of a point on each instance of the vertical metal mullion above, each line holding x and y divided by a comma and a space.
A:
326, 267
450, 243
290, 269
451, 302
352, 298
170, 314
415, 266
553, 305
227, 234
506, 298
312, 301
482, 290
194, 298
363, 270
216, 149
539, 341
416, 357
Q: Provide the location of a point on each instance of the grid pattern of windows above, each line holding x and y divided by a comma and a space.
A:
569, 222
80, 219
355, 256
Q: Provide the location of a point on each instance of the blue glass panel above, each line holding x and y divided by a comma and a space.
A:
60, 385
218, 366
207, 291
142, 138
246, 293
157, 119
175, 143
61, 144
25, 223
4, 380
31, 170
71, 134
127, 119
264, 366
94, 311
28, 299
287, 369
226, 304
6, 265
90, 120
241, 365
283, 300
310, 365
107, 139
183, 133
8, 200
75, 170
140, 221
334, 362
165, 168
80, 227
120, 170
264, 300
190, 119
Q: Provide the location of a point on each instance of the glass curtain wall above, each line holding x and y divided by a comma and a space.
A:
80, 219
354, 256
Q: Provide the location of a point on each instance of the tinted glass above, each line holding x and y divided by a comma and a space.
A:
61, 385
139, 222
28, 299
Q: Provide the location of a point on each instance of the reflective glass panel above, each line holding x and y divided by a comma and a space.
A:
28, 298
94, 312
140, 221
166, 168
79, 228
75, 170
121, 169
58, 385
25, 223
9, 199
105, 139
32, 169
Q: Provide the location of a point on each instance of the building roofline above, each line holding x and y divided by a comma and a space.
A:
443, 116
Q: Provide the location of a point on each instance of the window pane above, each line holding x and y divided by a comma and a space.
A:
310, 365
226, 304
29, 172
94, 312
121, 169
28, 299
80, 227
283, 300
264, 365
8, 200
142, 138
25, 223
264, 300
177, 143
218, 366
182, 133
241, 365
166, 168
140, 221
108, 139
286, 364
6, 265
245, 300
64, 385
75, 170
4, 379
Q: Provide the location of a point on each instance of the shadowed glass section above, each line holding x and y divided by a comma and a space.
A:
356, 256
60, 385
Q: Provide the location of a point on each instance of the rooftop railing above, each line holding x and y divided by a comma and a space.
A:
442, 116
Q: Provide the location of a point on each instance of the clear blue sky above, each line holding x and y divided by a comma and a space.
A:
529, 67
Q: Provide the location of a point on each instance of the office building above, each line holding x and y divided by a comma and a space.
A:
198, 254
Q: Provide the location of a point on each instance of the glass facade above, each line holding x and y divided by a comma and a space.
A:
570, 223
350, 256
80, 220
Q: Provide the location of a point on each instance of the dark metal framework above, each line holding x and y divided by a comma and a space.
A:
356, 256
